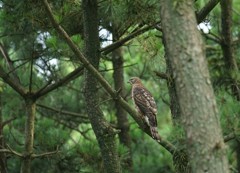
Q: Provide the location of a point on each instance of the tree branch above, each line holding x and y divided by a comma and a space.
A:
68, 124
31, 76
213, 38
63, 112
162, 75
11, 82
9, 63
119, 43
46, 89
10, 151
8, 121
167, 145
202, 14
229, 137
46, 154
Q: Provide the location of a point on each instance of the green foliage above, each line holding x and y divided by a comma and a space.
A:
28, 37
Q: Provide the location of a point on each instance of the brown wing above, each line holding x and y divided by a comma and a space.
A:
146, 104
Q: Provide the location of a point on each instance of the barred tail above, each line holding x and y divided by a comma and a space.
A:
155, 134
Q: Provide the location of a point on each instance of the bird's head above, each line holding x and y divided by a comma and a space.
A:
134, 80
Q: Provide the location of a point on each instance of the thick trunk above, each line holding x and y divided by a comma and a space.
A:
180, 159
122, 120
29, 135
230, 61
199, 113
105, 134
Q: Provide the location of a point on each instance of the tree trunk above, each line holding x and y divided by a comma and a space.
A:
29, 135
199, 114
174, 103
122, 120
180, 158
230, 61
3, 160
231, 67
105, 134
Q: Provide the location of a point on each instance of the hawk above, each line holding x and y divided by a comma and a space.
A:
145, 105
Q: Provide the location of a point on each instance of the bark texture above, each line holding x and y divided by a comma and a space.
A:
122, 120
105, 134
29, 135
227, 47
185, 50
3, 159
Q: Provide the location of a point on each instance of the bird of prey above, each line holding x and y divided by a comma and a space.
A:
145, 105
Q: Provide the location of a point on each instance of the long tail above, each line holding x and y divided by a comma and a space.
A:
155, 134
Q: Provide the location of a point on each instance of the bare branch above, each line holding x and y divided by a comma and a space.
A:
8, 121
63, 112
9, 62
67, 124
31, 76
47, 154
202, 14
48, 88
229, 137
162, 75
10, 81
119, 43
213, 38
10, 151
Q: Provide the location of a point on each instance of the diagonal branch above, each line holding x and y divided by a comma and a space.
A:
119, 43
8, 121
229, 137
48, 88
167, 145
202, 14
11, 151
9, 63
18, 88
163, 75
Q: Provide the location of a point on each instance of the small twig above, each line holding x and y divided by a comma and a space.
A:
31, 76
104, 101
9, 62
46, 154
117, 92
48, 88
84, 134
11, 82
111, 69
8, 121
162, 75
229, 137
14, 138
158, 27
11, 151
119, 43
165, 101
62, 112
